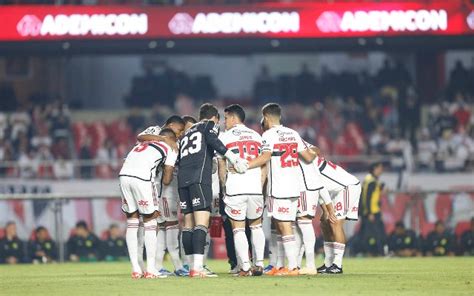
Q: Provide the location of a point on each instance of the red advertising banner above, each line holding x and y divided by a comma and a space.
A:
304, 20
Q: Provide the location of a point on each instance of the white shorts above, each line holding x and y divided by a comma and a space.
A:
240, 207
308, 203
168, 209
282, 209
346, 203
138, 195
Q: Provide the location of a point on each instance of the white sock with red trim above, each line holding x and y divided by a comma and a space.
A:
150, 245
131, 238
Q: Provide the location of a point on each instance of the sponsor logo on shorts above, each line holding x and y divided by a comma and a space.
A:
338, 215
182, 205
259, 210
235, 212
196, 201
143, 203
355, 209
283, 210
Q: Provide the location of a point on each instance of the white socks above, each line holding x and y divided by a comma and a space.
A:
160, 247
242, 247
272, 248
150, 245
141, 244
131, 237
309, 240
299, 248
198, 260
172, 244
280, 253
338, 253
258, 243
289, 244
328, 253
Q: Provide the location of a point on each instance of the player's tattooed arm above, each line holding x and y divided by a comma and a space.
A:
167, 174
222, 171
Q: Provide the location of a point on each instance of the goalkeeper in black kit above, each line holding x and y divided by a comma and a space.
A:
195, 182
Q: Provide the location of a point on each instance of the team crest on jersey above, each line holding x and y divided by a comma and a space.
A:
236, 132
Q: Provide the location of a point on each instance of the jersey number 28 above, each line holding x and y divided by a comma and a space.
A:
191, 144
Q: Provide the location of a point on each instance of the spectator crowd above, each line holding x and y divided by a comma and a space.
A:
82, 246
379, 115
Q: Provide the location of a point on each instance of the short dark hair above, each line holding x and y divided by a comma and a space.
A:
39, 229
174, 119
82, 224
10, 223
237, 110
167, 132
272, 109
207, 111
190, 119
374, 165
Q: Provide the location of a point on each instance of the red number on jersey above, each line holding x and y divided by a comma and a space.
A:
289, 157
247, 149
140, 147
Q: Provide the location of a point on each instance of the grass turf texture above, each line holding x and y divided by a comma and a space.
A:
363, 276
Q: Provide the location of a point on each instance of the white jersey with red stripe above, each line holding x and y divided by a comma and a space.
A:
144, 159
334, 178
247, 143
284, 173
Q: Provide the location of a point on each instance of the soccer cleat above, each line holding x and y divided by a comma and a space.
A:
281, 272
257, 271
165, 272
267, 269
209, 273
149, 275
308, 271
322, 269
244, 273
273, 271
234, 270
334, 269
137, 275
181, 272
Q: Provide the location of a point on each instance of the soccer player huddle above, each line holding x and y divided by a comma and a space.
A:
276, 176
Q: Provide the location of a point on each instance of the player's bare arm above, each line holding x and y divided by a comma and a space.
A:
167, 174
308, 155
261, 160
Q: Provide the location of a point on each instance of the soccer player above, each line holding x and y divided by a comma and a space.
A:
139, 195
344, 189
195, 182
243, 202
168, 224
312, 191
282, 148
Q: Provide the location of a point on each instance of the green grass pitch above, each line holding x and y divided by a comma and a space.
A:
362, 276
